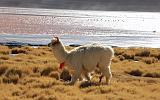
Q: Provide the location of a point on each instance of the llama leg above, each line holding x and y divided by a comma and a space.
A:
75, 76
107, 73
80, 78
86, 75
100, 78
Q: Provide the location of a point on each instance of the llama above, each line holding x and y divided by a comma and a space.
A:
84, 59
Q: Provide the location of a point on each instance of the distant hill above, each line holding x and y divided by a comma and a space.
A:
109, 5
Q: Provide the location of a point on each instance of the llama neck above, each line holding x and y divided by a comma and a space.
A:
61, 53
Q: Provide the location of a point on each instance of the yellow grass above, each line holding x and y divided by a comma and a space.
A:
33, 74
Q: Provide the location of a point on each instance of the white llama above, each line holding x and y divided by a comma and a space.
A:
84, 59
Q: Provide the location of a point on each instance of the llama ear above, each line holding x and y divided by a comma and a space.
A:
57, 39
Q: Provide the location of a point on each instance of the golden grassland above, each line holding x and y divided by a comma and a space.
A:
28, 73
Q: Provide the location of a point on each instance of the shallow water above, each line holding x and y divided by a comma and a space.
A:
37, 26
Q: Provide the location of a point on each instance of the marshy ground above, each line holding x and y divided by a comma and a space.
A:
28, 73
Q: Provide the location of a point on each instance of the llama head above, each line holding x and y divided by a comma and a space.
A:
58, 49
54, 42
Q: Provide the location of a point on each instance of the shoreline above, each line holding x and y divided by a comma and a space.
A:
21, 44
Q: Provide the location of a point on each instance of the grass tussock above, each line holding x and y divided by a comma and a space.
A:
12, 76
149, 60
33, 74
121, 57
18, 50
55, 75
135, 72
146, 55
12, 79
65, 75
115, 60
4, 50
4, 57
47, 71
143, 53
3, 70
156, 55
153, 75
141, 73
13, 72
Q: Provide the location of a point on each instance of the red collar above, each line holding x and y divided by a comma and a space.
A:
61, 66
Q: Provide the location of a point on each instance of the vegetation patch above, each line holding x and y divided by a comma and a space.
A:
55, 75
136, 72
144, 53
3, 70
13, 72
18, 50
156, 55
115, 60
128, 56
11, 79
47, 71
144, 74
65, 75
4, 50
153, 75
22, 76
149, 60
4, 57
121, 58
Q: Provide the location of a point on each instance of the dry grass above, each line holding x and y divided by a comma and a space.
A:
33, 74
4, 50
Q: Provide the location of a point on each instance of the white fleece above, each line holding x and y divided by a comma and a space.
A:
85, 59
